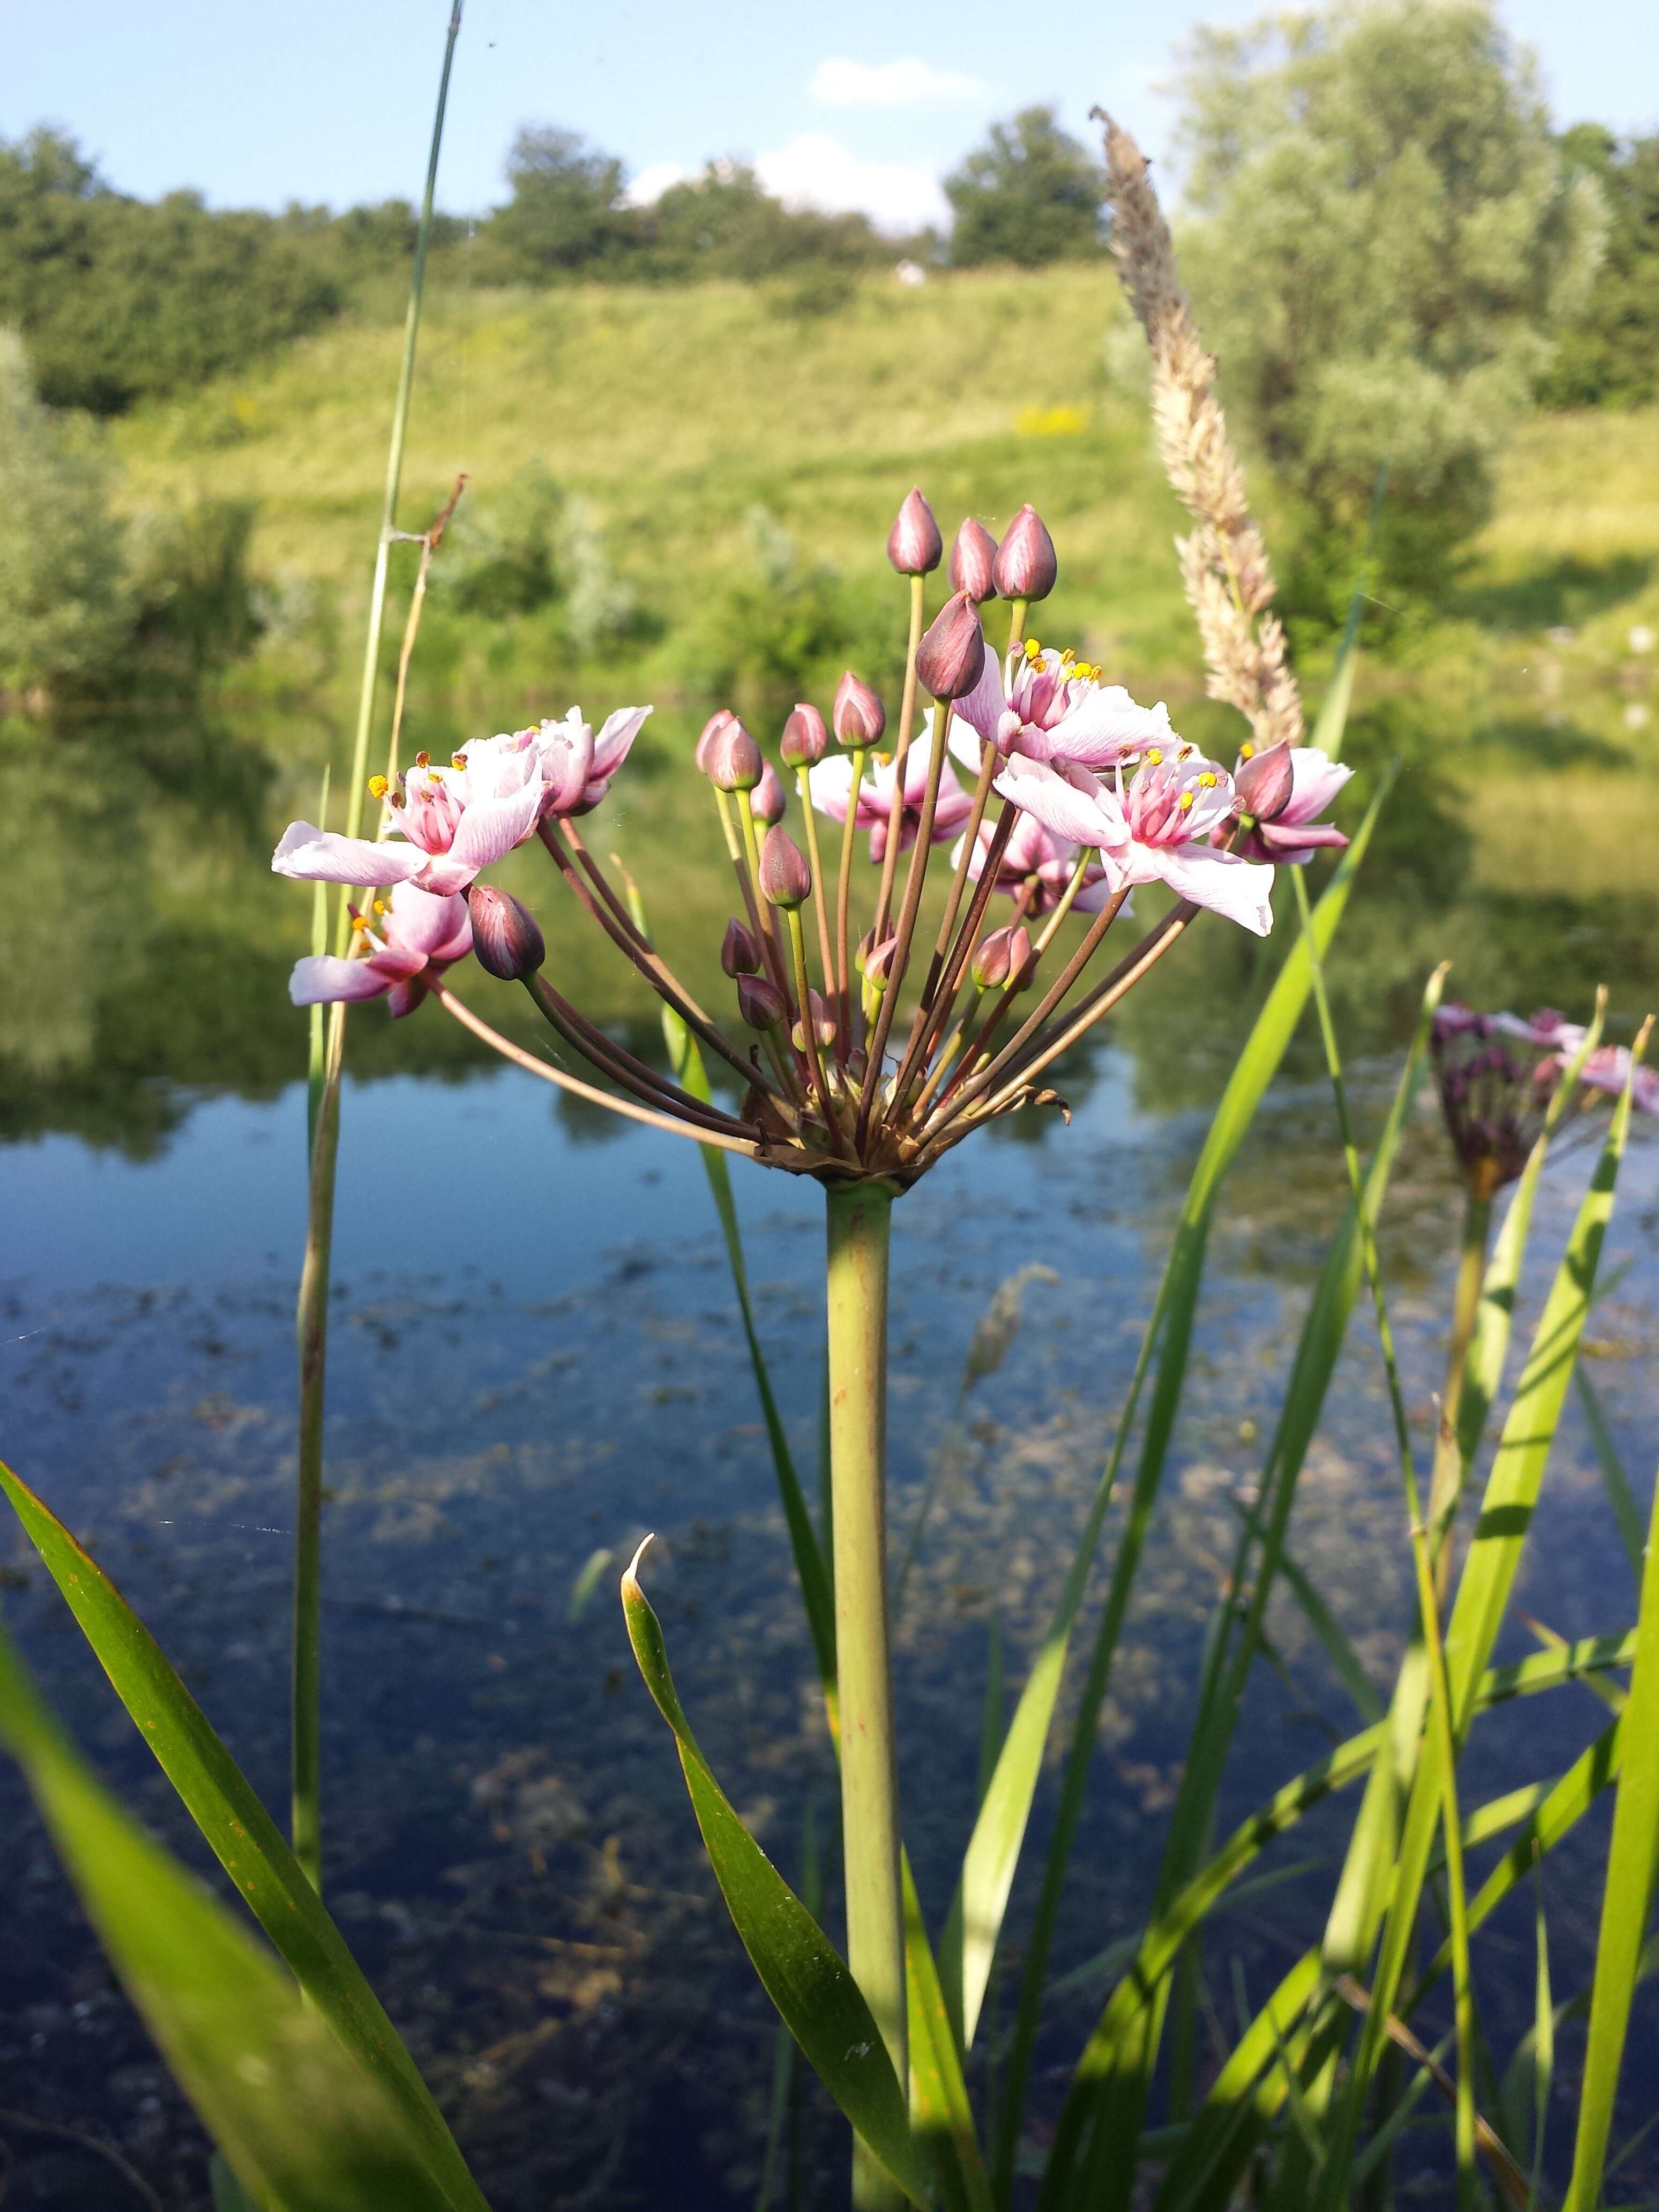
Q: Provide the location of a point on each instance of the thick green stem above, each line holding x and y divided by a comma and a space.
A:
1446, 1481
859, 1216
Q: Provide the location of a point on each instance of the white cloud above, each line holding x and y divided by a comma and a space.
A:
816, 171
652, 183
841, 84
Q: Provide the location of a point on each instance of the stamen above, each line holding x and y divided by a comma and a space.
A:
455, 760
1155, 756
423, 760
1208, 780
1186, 800
1033, 650
378, 786
380, 905
1246, 751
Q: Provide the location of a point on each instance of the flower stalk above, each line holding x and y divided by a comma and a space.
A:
858, 1218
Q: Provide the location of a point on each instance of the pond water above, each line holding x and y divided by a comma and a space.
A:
535, 1359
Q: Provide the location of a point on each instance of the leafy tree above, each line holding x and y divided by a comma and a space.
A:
566, 211
1386, 241
1611, 353
1031, 194
723, 222
63, 608
119, 299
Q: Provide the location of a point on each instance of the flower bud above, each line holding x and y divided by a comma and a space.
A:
875, 961
1026, 563
739, 954
992, 962
714, 724
767, 801
858, 717
1263, 783
733, 761
973, 559
785, 879
759, 1002
504, 934
914, 544
804, 740
951, 658
822, 1024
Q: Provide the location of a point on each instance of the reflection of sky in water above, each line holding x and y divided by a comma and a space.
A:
535, 1358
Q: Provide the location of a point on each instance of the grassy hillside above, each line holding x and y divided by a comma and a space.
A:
680, 416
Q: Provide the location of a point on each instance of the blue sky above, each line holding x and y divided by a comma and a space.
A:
330, 99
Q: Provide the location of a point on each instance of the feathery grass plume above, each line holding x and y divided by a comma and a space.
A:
1224, 563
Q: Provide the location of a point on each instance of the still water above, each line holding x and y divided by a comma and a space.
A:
535, 1359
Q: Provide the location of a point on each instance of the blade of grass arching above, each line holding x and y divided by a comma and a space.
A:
939, 2110
802, 1973
1357, 1910
1621, 1498
784, 2070
322, 1117
1543, 2034
1345, 1660
1627, 1897
816, 1595
991, 1719
994, 1849
301, 2120
1487, 1578
1111, 2108
240, 1830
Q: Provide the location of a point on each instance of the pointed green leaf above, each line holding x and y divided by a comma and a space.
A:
802, 1973
240, 1833
300, 2119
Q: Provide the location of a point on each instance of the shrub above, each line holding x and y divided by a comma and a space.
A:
1610, 354
1031, 194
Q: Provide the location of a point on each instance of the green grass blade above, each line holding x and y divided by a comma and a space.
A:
301, 2120
1627, 1898
242, 1834
994, 1849
939, 2110
816, 1594
1338, 1650
784, 2050
1627, 1515
802, 1973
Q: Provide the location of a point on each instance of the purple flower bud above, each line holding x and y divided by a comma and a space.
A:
804, 740
759, 1002
710, 728
992, 962
951, 658
858, 717
822, 1024
1026, 563
914, 544
739, 954
973, 559
504, 934
733, 759
1264, 783
785, 879
767, 800
875, 961
1019, 952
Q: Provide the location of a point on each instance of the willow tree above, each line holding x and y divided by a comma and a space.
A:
1385, 240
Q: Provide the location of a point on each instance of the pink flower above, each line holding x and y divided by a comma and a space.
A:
1051, 707
420, 936
576, 767
1279, 792
830, 785
1607, 1068
1154, 827
450, 824
1034, 851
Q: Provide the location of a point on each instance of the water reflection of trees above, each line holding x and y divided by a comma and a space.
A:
146, 947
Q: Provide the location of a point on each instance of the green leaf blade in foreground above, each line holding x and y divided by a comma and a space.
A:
300, 2121
802, 1973
242, 1834
994, 1849
1627, 1898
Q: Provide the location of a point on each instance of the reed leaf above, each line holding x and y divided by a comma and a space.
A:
800, 1970
968, 1945
243, 1837
302, 2120
1627, 1898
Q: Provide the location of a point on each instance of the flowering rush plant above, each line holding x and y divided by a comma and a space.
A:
1055, 788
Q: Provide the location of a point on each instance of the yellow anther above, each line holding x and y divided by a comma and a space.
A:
1033, 650
1186, 800
455, 760
1156, 757
378, 786
380, 905
1246, 751
1208, 780
1067, 657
